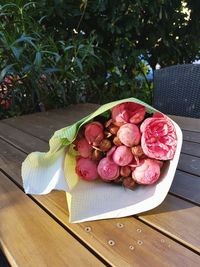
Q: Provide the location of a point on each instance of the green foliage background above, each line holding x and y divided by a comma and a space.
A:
90, 51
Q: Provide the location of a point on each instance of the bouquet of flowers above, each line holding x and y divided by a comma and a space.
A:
118, 161
125, 148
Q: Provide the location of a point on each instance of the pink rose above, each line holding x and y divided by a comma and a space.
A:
129, 134
84, 149
111, 152
108, 170
159, 138
94, 133
128, 112
86, 169
147, 172
122, 156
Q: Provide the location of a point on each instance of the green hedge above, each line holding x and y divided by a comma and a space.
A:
55, 52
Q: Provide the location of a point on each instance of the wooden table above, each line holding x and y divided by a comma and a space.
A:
34, 230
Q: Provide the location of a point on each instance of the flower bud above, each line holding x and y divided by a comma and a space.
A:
125, 171
128, 112
108, 123
86, 169
108, 170
84, 149
116, 141
111, 152
105, 145
94, 133
147, 172
119, 180
137, 151
113, 129
96, 155
129, 134
128, 182
107, 134
122, 156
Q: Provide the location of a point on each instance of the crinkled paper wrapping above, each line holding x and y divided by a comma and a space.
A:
87, 201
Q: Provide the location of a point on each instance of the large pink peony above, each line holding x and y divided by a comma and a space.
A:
86, 169
94, 133
128, 112
108, 170
129, 134
147, 172
159, 138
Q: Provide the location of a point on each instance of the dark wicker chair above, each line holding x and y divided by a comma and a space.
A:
177, 90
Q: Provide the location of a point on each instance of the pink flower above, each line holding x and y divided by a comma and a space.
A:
147, 172
122, 156
159, 138
84, 149
111, 152
94, 133
128, 112
108, 170
86, 169
129, 134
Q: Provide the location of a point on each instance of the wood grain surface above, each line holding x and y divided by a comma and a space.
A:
30, 237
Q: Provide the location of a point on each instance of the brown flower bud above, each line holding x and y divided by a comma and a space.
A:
105, 145
96, 155
107, 134
116, 141
128, 182
137, 151
125, 171
119, 180
113, 129
108, 123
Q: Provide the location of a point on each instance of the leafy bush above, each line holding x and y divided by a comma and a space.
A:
60, 52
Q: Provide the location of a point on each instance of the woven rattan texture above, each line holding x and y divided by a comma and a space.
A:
177, 90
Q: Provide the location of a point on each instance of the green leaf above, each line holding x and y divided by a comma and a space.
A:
26, 39
8, 5
38, 58
68, 48
77, 60
5, 71
17, 51
29, 4
51, 70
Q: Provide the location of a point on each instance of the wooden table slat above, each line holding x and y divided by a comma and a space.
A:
191, 136
29, 237
186, 186
186, 123
21, 139
191, 148
34, 124
173, 217
190, 164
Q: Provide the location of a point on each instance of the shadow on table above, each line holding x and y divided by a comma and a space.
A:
170, 204
3, 260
